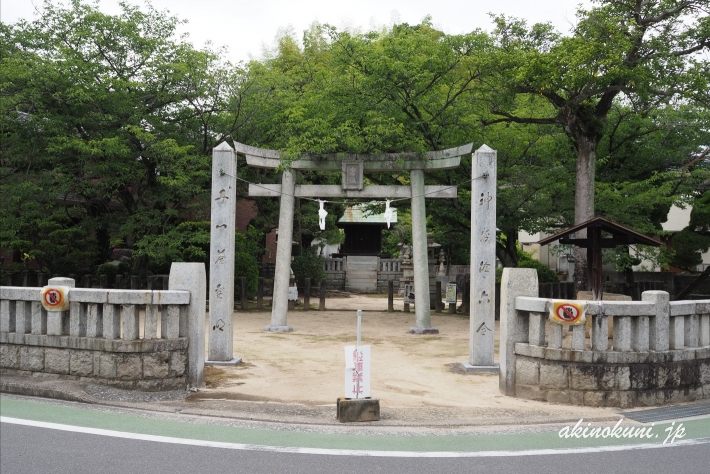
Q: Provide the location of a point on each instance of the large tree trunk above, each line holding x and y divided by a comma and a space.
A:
583, 205
508, 253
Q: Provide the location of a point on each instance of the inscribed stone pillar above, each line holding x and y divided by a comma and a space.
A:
420, 259
282, 274
221, 294
483, 257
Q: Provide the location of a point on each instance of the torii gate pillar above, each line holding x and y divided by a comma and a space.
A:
420, 258
282, 274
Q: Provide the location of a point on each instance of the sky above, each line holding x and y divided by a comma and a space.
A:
247, 27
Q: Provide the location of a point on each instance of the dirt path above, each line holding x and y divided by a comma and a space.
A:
307, 365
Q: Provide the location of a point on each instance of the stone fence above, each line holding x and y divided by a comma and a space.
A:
132, 339
630, 353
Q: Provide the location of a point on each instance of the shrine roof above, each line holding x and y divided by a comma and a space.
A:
622, 234
359, 214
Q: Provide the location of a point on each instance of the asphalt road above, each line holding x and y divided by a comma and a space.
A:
37, 437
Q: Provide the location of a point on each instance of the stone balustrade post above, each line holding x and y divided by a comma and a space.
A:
514, 326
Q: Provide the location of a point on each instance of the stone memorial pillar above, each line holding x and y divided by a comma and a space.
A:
279, 306
420, 259
483, 260
221, 292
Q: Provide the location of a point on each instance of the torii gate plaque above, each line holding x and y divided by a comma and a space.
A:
353, 167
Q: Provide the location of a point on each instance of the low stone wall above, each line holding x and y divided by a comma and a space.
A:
132, 339
335, 281
611, 379
143, 364
657, 352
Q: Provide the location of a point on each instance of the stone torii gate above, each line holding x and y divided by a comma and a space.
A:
353, 168
483, 232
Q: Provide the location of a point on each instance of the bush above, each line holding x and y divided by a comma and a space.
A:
308, 266
245, 266
544, 273
111, 270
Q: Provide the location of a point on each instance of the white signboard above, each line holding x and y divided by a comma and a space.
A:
357, 371
451, 293
293, 293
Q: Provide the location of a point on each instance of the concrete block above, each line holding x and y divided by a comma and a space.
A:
536, 329
622, 333
607, 381
554, 376
191, 277
649, 398
554, 338
130, 297
659, 321
628, 308
56, 361
178, 363
677, 356
702, 353
640, 334
130, 322
81, 363
538, 352
516, 282
623, 378
111, 321
94, 320
704, 331
171, 297
702, 306
156, 365
23, 317
88, 295
576, 398
9, 356
667, 376
350, 410
96, 363
583, 378
107, 365
613, 399
150, 329
530, 392
681, 308
57, 322
16, 293
39, 318
559, 397
129, 366
642, 376
599, 334
594, 399
523, 349
170, 322
692, 330
704, 373
77, 319
61, 281
676, 333
7, 316
32, 358
527, 372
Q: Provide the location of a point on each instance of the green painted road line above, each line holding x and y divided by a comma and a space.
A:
194, 429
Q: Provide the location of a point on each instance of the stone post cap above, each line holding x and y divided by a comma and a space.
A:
62, 281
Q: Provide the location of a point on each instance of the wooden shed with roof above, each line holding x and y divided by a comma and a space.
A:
594, 240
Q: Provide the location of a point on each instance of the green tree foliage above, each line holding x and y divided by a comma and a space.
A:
111, 120
642, 53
